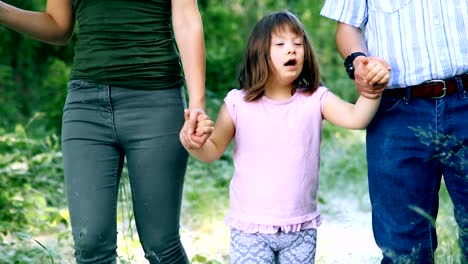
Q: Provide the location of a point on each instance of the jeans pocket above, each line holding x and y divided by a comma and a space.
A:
387, 6
389, 103
75, 85
184, 99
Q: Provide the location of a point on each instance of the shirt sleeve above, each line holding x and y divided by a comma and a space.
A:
351, 12
232, 100
322, 93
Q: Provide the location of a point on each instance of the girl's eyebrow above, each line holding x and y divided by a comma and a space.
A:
283, 38
285, 35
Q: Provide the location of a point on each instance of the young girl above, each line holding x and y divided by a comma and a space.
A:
275, 121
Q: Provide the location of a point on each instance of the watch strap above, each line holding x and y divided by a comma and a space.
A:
348, 63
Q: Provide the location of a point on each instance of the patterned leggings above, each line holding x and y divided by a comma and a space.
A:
278, 248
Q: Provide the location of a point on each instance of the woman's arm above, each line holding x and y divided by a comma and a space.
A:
188, 31
54, 26
218, 141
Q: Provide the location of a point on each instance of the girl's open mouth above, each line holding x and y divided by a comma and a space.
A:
291, 62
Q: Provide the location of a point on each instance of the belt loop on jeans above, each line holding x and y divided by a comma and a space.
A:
407, 96
461, 87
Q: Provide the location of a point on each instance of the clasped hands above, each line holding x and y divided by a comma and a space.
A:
371, 76
196, 130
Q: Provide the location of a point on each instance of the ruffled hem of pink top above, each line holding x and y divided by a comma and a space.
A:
271, 229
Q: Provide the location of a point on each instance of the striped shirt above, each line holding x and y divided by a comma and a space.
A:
421, 39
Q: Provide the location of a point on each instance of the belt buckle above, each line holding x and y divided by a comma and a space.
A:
432, 82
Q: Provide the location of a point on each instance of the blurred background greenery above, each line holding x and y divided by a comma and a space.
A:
34, 222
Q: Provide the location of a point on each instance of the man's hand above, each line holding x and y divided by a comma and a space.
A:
370, 84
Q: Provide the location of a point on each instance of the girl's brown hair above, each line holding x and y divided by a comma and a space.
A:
256, 66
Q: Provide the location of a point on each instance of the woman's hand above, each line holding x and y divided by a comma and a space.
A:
196, 130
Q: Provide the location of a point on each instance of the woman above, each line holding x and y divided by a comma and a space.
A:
125, 100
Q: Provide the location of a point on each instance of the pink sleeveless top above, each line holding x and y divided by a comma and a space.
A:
276, 162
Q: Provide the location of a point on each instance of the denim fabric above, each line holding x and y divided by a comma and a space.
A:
103, 125
411, 144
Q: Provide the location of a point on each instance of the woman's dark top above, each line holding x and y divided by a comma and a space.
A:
126, 43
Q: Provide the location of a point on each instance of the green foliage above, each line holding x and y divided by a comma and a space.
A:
451, 150
31, 182
53, 93
7, 92
25, 66
448, 250
34, 251
227, 26
200, 259
213, 179
343, 164
223, 48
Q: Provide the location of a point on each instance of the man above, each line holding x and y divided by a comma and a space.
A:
420, 133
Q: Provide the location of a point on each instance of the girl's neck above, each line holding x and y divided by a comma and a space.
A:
278, 92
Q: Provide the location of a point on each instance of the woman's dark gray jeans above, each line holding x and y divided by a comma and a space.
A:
101, 126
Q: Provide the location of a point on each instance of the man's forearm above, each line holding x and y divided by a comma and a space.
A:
349, 39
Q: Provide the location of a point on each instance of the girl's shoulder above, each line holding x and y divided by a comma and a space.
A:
234, 93
318, 94
232, 101
321, 90
234, 96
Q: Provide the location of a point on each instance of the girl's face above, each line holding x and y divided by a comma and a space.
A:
287, 55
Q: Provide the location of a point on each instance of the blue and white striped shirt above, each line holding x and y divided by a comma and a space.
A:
421, 39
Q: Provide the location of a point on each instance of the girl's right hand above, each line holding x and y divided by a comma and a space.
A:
203, 130
205, 126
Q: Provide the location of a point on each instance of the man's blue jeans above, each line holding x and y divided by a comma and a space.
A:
102, 125
411, 144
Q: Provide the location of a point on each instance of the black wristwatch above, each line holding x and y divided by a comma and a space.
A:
348, 63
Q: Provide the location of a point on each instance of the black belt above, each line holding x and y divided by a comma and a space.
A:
431, 89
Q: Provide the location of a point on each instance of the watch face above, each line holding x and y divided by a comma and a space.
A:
350, 72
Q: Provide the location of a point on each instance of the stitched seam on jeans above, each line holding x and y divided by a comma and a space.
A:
111, 109
434, 195
115, 194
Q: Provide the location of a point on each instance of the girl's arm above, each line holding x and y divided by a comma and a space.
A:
347, 115
54, 26
188, 32
359, 115
219, 140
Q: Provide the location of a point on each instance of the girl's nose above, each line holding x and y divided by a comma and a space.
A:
291, 49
